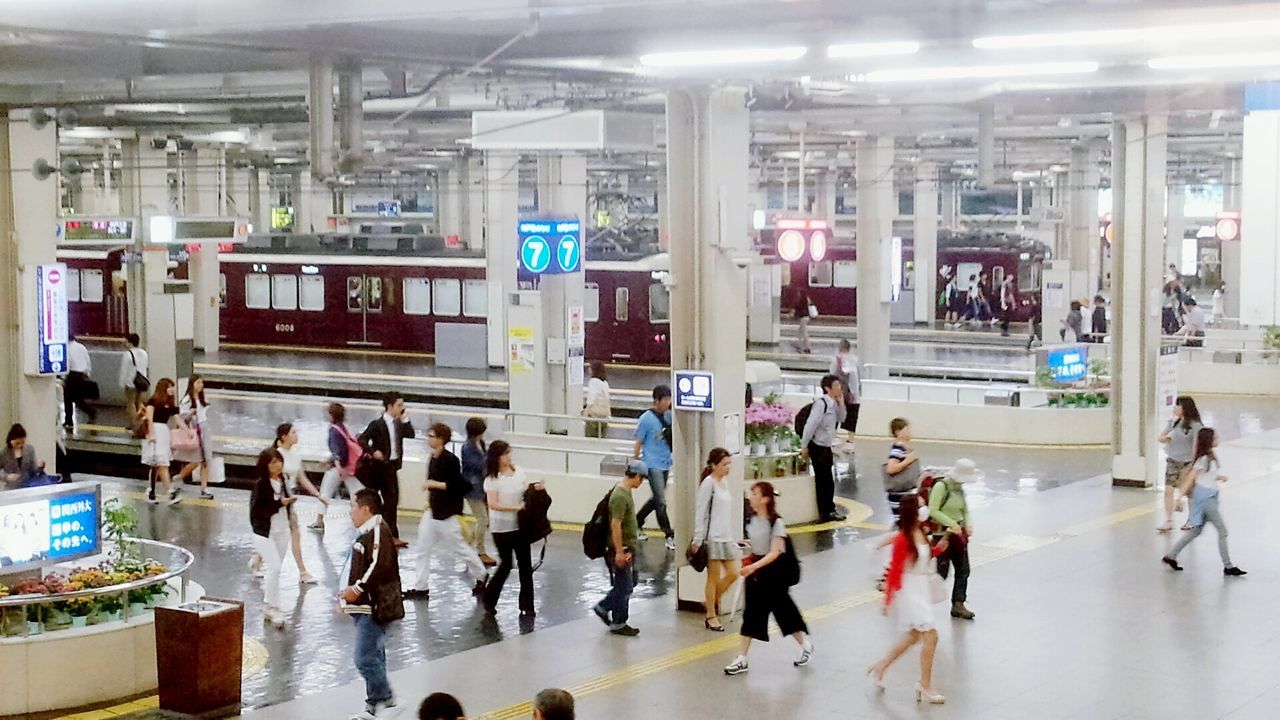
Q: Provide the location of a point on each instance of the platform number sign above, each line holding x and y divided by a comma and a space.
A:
550, 247
51, 307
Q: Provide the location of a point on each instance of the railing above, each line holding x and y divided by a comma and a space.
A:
178, 560
947, 372
550, 419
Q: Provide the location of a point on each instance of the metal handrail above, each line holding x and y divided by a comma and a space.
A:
944, 369
612, 420
188, 559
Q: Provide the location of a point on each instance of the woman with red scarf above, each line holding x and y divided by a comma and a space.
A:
909, 594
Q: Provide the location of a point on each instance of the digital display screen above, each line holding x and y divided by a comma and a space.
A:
203, 229
46, 525
281, 218
1067, 365
549, 247
99, 230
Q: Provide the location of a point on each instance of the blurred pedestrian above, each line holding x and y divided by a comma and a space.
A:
372, 599
1201, 484
620, 557
949, 510
804, 311
441, 524
473, 452
653, 446
1179, 439
596, 402
713, 527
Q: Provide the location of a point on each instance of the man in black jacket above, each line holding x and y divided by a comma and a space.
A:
384, 440
374, 568
441, 524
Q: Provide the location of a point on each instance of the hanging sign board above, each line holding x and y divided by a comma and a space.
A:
694, 390
51, 323
550, 247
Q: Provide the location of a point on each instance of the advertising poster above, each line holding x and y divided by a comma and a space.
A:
577, 327
577, 365
1166, 380
523, 353
51, 305
46, 525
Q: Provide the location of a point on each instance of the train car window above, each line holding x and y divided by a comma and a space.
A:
997, 279
373, 294
446, 297
73, 285
311, 293
820, 274
284, 292
257, 291
222, 289
621, 304
1028, 277
659, 303
91, 290
475, 298
591, 302
355, 293
417, 296
844, 274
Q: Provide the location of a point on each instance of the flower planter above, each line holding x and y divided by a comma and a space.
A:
137, 608
79, 621
34, 628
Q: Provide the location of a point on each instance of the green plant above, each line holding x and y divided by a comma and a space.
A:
1044, 377
1271, 337
1098, 367
119, 525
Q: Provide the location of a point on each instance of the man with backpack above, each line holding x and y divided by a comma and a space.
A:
819, 421
653, 446
620, 553
949, 514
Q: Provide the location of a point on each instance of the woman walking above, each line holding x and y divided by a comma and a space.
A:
767, 581
1073, 324
344, 453
713, 527
804, 311
908, 595
1202, 485
1179, 440
473, 469
286, 443
504, 487
194, 409
269, 516
157, 452
596, 402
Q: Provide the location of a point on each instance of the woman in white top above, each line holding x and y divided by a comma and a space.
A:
194, 409
270, 516
713, 526
597, 403
1202, 485
504, 487
286, 443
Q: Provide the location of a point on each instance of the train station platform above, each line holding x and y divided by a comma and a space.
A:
1076, 617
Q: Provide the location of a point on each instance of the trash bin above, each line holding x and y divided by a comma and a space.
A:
199, 657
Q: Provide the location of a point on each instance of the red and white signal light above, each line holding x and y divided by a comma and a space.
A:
797, 236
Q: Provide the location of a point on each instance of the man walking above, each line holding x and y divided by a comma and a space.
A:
825, 415
372, 599
441, 523
620, 558
136, 363
845, 368
653, 446
949, 510
384, 440
76, 387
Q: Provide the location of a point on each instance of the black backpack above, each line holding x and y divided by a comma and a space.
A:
595, 534
802, 417
666, 428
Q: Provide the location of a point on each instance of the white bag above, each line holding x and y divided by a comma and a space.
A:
813, 310
217, 470
937, 586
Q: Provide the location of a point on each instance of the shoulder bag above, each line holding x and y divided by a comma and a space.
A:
386, 603
698, 557
140, 381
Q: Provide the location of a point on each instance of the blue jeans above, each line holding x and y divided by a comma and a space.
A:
371, 659
618, 601
657, 503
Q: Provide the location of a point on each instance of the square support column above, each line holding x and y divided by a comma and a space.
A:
1083, 249
501, 216
1138, 162
876, 209
925, 256
1258, 290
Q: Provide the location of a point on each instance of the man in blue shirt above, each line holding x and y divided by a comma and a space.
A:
653, 445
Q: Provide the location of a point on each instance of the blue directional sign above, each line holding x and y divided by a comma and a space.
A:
550, 247
1068, 364
695, 390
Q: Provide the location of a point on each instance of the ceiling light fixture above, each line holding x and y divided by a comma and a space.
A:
742, 56
1210, 62
873, 49
980, 72
1117, 36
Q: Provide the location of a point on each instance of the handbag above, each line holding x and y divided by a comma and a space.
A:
698, 557
813, 310
140, 381
904, 481
184, 439
386, 602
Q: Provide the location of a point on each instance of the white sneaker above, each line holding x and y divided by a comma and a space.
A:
387, 710
671, 543
737, 667
806, 652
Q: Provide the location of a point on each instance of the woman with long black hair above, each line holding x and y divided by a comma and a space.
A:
908, 595
1202, 486
1179, 440
504, 487
767, 587
269, 516
195, 410
713, 525
157, 448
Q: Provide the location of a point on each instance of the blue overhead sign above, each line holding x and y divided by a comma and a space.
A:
550, 247
694, 390
1262, 96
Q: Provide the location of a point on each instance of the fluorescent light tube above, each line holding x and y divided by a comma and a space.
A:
1116, 36
873, 49
1218, 60
981, 72
742, 56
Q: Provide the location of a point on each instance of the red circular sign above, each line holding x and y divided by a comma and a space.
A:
791, 245
818, 245
54, 276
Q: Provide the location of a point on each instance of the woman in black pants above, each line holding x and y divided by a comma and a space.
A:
504, 487
767, 588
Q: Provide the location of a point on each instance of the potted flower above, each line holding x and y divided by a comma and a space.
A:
79, 608
109, 607
138, 601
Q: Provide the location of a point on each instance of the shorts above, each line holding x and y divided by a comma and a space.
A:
1173, 471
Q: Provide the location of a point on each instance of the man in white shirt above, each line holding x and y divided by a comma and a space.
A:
1193, 323
76, 385
136, 362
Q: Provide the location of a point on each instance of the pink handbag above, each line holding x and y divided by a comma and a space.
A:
184, 438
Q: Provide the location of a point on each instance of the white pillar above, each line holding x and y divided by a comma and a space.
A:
449, 198
316, 200
1062, 210
562, 193
1232, 201
950, 204
1138, 162
502, 213
28, 208
203, 269
876, 209
986, 145
1175, 222
708, 147
260, 199
1083, 249
926, 242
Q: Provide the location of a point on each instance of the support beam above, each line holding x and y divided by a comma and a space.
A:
876, 208
502, 213
1231, 252
986, 145
925, 255
1175, 222
1083, 250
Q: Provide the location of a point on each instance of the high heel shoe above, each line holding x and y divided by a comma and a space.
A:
932, 697
713, 628
877, 678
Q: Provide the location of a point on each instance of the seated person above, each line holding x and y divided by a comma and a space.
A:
18, 465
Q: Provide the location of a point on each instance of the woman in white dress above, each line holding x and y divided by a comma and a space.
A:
287, 444
713, 525
195, 410
909, 596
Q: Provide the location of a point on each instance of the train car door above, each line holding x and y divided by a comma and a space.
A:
364, 304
